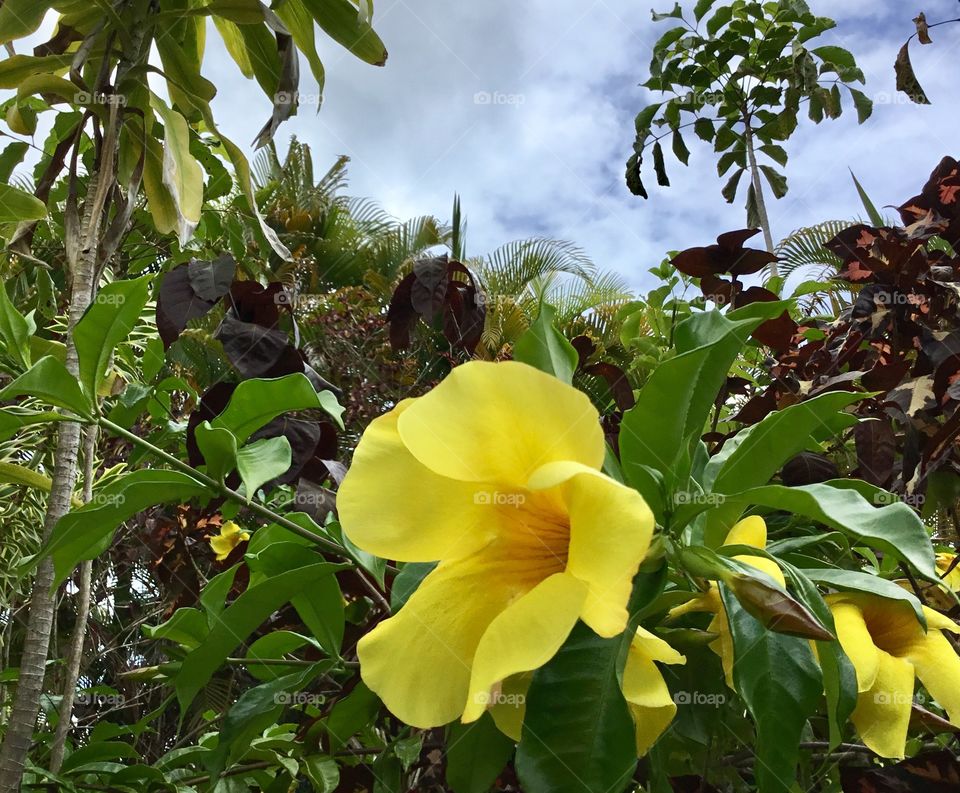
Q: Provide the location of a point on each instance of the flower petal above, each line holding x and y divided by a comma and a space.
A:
511, 706
419, 660
651, 705
752, 530
378, 510
523, 637
882, 715
855, 640
610, 531
498, 422
938, 667
723, 644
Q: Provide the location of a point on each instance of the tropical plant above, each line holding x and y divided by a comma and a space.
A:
739, 82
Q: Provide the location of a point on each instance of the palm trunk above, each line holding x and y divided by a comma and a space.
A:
26, 704
758, 192
75, 652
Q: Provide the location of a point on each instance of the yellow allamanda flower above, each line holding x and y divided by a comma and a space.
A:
889, 649
495, 474
230, 537
949, 571
750, 531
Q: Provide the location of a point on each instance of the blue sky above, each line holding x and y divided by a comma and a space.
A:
545, 156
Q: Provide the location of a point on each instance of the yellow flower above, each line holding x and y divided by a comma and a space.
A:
889, 648
750, 531
951, 578
496, 474
230, 537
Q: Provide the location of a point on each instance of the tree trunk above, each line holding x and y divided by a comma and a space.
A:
26, 704
75, 652
758, 192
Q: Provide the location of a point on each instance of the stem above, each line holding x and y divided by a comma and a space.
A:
75, 651
758, 192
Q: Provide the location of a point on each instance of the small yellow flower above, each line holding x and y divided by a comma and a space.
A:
889, 648
496, 474
230, 537
750, 531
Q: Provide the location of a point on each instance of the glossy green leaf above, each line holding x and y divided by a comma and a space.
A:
114, 312
578, 735
49, 381
15, 329
19, 18
257, 402
779, 680
18, 205
342, 21
263, 460
238, 621
894, 529
12, 421
476, 755
546, 348
854, 581
219, 449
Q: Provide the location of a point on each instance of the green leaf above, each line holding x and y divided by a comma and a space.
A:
872, 212
704, 129
755, 454
49, 381
657, 434
780, 682
263, 460
701, 8
680, 150
17, 205
182, 175
658, 165
722, 16
476, 755
350, 715
578, 735
187, 626
12, 421
544, 347
675, 13
115, 312
407, 581
12, 154
729, 191
15, 69
86, 532
256, 709
853, 581
321, 607
257, 402
15, 329
219, 449
907, 79
19, 18
343, 22
645, 118
238, 621
894, 529
776, 153
862, 103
